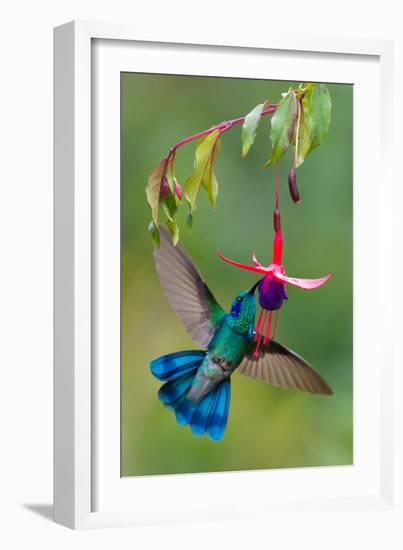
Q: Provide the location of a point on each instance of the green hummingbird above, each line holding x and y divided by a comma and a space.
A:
197, 382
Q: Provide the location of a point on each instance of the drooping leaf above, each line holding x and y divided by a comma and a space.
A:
171, 181
282, 124
294, 120
209, 180
314, 120
249, 128
317, 108
303, 138
170, 206
153, 189
174, 230
210, 184
169, 203
155, 234
203, 153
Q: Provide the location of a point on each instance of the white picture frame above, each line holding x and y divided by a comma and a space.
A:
88, 490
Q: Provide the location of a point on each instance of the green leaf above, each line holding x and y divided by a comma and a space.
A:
318, 109
211, 187
171, 181
209, 180
155, 234
314, 120
304, 139
204, 150
282, 127
170, 206
153, 189
249, 128
174, 230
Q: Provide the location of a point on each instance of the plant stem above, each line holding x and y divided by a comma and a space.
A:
222, 127
169, 160
297, 135
277, 185
276, 213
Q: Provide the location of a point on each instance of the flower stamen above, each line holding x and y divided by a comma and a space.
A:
260, 333
275, 325
266, 340
259, 324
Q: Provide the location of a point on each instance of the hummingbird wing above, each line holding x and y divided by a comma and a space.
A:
279, 366
186, 290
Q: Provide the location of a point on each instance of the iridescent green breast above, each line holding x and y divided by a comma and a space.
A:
230, 345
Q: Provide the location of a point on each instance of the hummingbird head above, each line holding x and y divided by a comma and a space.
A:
243, 311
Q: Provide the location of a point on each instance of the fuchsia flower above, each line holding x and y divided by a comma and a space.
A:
271, 288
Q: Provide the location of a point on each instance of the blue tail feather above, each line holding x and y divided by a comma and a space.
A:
183, 412
201, 414
174, 365
173, 390
218, 419
209, 415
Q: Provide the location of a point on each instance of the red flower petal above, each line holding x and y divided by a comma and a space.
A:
306, 284
256, 269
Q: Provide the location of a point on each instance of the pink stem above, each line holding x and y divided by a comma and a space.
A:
278, 238
222, 127
276, 184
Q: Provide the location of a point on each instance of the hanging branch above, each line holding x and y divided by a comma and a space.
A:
301, 118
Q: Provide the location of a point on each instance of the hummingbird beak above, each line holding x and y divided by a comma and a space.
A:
252, 290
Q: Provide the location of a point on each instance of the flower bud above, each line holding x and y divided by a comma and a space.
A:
277, 220
164, 189
178, 190
292, 184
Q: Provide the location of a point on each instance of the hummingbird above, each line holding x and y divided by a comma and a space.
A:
197, 383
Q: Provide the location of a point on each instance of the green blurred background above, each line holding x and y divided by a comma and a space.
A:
268, 427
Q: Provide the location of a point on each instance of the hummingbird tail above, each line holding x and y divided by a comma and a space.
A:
175, 365
210, 414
